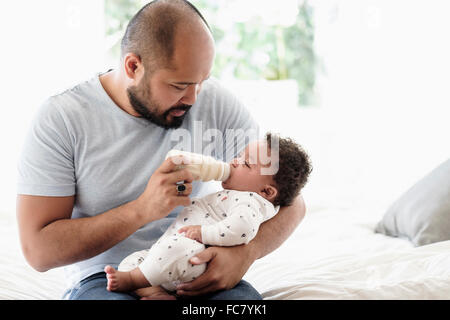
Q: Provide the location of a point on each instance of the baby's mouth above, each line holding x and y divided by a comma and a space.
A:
231, 173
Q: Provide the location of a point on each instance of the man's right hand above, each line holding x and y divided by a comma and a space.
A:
161, 196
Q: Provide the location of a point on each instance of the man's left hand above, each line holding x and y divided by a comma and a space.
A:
226, 267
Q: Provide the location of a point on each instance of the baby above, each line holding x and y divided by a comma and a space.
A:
226, 218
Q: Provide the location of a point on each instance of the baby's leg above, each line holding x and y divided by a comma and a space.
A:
167, 262
133, 260
125, 280
134, 280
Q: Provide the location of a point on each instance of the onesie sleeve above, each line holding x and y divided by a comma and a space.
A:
240, 226
46, 165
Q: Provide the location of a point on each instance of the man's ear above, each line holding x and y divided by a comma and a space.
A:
133, 66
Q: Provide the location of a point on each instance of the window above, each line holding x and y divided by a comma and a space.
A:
255, 39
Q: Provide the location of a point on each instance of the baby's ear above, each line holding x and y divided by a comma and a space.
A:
270, 192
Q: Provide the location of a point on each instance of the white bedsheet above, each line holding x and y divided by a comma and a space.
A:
333, 254
18, 281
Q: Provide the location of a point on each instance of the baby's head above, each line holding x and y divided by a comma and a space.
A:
276, 177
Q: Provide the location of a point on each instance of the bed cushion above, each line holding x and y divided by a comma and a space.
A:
421, 214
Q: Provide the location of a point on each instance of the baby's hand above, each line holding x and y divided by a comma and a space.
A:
192, 232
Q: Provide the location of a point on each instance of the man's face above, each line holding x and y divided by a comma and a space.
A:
157, 106
165, 96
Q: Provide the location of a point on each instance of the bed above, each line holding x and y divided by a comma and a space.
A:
18, 281
333, 254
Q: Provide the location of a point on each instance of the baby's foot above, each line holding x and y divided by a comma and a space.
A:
113, 277
118, 280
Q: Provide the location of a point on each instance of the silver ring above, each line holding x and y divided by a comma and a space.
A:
180, 189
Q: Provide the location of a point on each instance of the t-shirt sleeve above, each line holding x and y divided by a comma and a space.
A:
46, 163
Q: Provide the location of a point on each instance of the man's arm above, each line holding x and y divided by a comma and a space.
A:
275, 231
50, 238
227, 265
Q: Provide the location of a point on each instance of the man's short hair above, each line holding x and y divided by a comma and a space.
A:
151, 32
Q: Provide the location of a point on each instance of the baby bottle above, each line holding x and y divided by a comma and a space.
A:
202, 167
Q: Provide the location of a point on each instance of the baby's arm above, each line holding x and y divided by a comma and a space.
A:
192, 232
239, 227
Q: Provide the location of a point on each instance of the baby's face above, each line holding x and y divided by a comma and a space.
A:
246, 173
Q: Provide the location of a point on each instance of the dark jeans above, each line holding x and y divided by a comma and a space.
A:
94, 288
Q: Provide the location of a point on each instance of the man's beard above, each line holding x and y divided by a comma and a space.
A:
145, 110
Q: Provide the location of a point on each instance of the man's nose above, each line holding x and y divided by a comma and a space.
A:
191, 95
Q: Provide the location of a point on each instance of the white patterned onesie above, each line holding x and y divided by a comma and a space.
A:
227, 217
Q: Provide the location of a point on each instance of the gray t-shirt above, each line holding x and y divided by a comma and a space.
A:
81, 143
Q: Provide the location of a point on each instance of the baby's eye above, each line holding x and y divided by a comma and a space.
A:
247, 164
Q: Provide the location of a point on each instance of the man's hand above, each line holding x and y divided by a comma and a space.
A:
192, 232
226, 267
160, 196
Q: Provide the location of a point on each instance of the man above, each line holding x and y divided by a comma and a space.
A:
93, 184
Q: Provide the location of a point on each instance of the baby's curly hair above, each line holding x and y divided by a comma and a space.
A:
293, 172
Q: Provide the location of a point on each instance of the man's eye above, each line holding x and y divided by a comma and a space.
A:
179, 88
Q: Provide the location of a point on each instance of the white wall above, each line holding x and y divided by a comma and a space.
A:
383, 120
384, 92
47, 45
386, 79
385, 53
383, 88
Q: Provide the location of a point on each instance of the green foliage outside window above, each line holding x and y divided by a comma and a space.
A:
117, 15
248, 50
